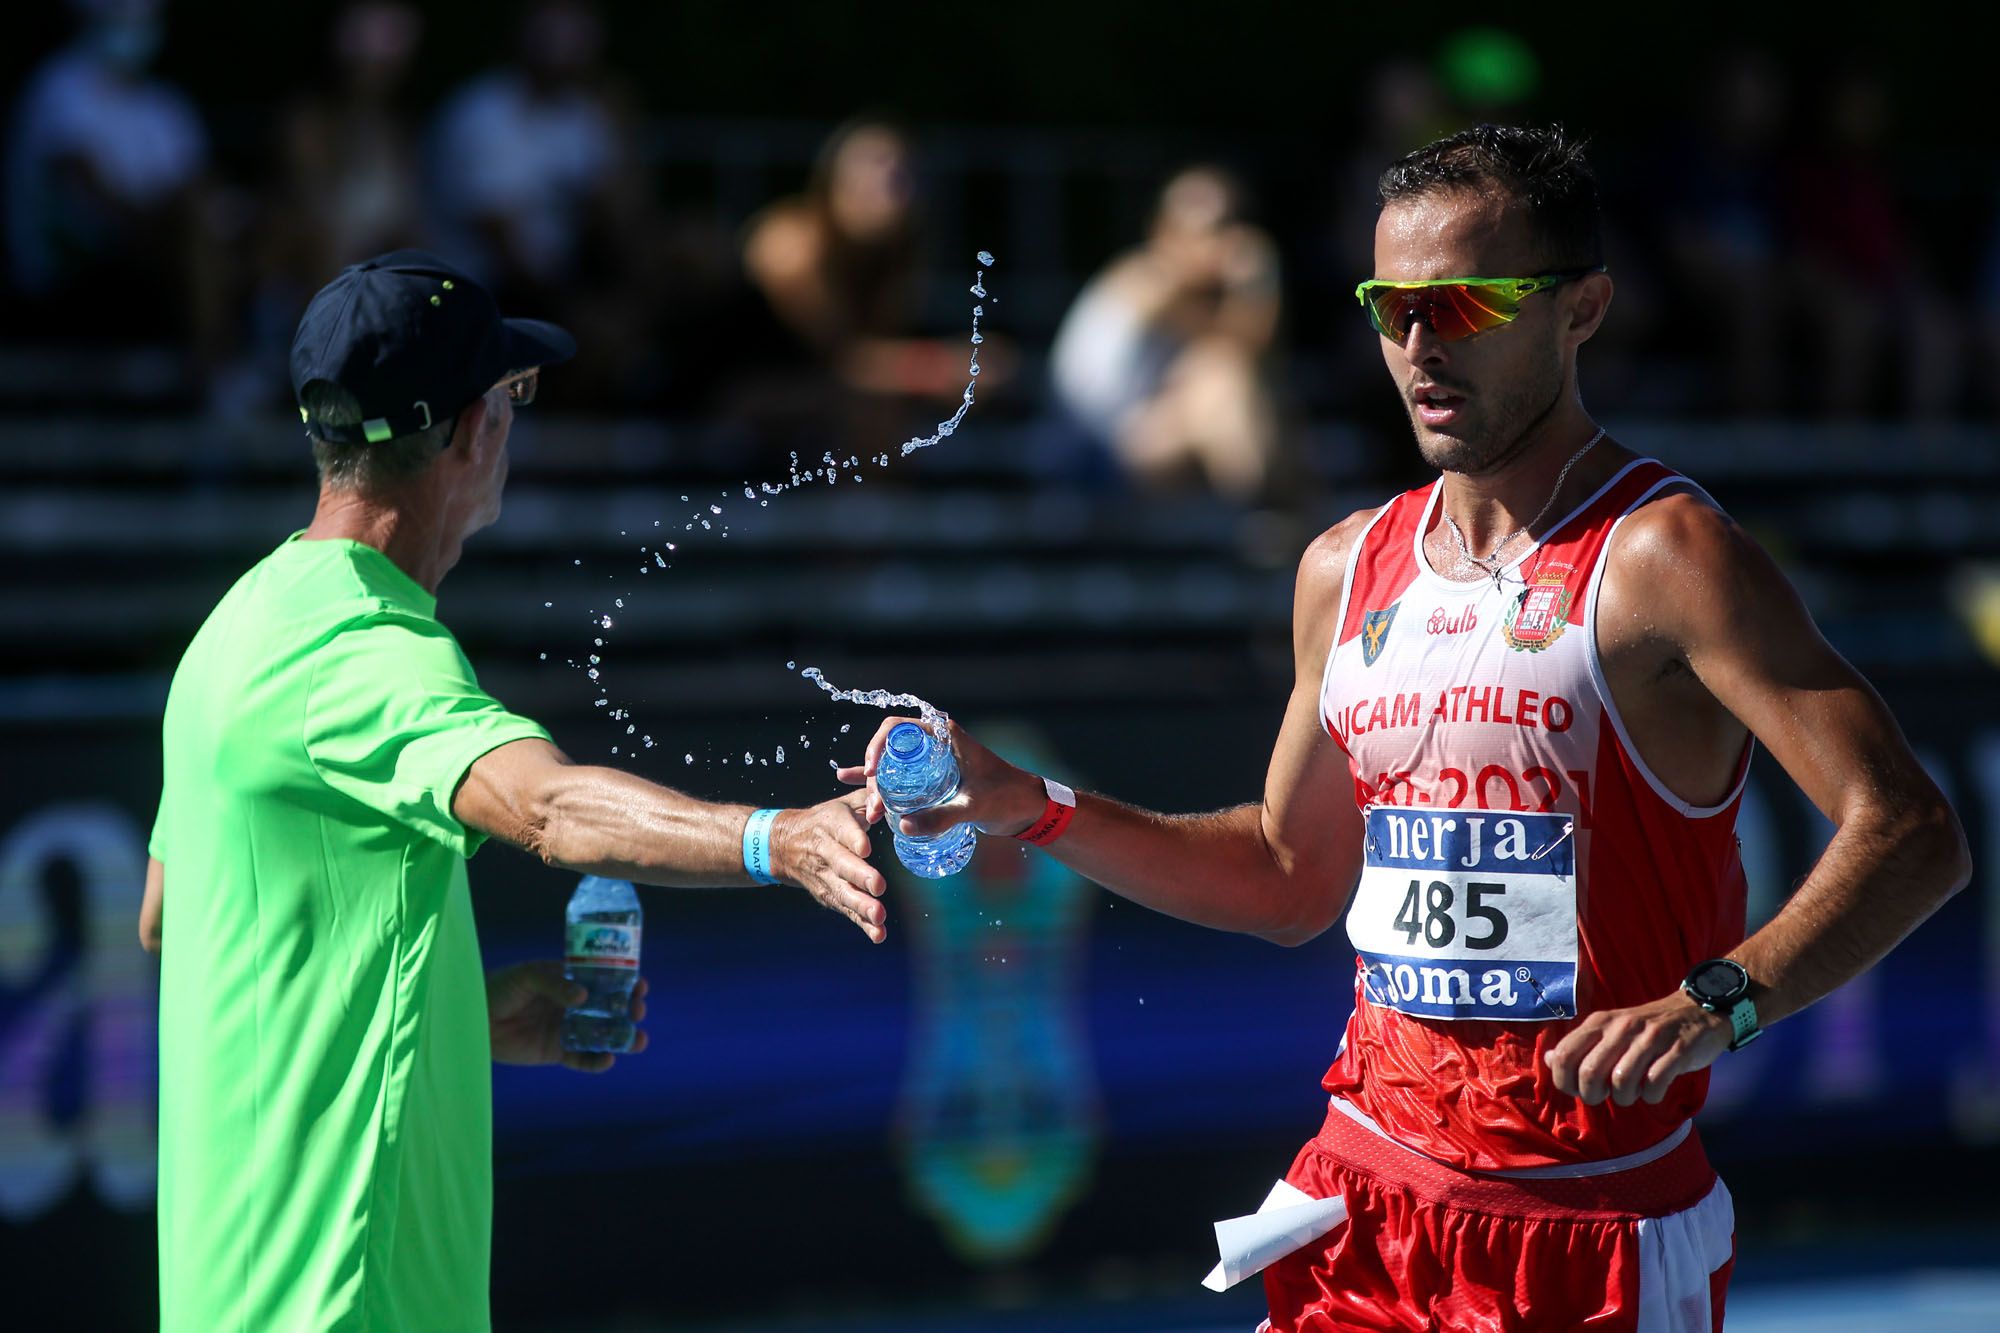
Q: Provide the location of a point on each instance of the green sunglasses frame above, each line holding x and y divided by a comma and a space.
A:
1512, 289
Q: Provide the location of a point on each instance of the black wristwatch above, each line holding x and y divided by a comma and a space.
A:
1721, 986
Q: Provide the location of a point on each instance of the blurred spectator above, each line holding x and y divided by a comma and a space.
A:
1163, 355
105, 197
536, 192
837, 265
835, 271
1869, 304
350, 149
345, 185
1721, 228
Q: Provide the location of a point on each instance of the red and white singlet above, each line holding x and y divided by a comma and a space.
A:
1522, 865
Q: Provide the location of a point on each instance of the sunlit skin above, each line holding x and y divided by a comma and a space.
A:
1703, 643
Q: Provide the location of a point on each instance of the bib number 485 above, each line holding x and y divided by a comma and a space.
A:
1427, 911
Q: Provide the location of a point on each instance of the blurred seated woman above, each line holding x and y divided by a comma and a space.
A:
1163, 355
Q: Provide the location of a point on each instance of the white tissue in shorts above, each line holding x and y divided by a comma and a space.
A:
1289, 1219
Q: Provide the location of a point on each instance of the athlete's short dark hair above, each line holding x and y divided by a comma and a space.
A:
1540, 167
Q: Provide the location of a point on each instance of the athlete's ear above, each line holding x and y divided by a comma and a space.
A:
1587, 301
475, 426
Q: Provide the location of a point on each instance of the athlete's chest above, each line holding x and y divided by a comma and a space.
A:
1440, 656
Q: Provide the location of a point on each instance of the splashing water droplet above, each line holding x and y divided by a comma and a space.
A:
986, 258
618, 601
746, 756
843, 728
544, 657
935, 719
715, 509
599, 703
659, 560
780, 755
687, 759
605, 622
631, 727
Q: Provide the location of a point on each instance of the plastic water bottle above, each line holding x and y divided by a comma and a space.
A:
603, 958
916, 772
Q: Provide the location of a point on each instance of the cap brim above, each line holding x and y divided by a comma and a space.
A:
534, 342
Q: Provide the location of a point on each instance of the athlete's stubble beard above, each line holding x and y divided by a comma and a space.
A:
1508, 429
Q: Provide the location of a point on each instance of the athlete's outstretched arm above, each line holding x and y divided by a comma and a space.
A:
602, 821
1282, 869
1897, 851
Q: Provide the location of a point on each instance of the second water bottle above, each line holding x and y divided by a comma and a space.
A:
917, 771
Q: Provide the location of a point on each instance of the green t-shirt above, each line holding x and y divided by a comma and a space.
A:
325, 1072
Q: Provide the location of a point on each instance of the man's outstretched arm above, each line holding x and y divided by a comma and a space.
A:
604, 821
1282, 869
1897, 851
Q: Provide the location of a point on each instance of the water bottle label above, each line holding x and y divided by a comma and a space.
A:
603, 944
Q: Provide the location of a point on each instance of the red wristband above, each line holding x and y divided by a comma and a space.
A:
1055, 816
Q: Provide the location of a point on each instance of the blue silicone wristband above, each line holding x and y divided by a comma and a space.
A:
757, 846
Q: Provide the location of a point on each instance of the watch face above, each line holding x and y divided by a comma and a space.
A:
1717, 980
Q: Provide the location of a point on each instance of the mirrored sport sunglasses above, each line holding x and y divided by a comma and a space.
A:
1453, 308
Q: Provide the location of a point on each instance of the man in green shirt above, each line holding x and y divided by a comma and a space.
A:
326, 1031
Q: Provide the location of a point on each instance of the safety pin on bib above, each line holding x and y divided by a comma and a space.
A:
1569, 827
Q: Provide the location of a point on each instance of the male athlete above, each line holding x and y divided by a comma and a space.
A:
1525, 700
330, 763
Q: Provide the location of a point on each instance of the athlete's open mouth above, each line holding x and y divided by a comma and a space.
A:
1436, 405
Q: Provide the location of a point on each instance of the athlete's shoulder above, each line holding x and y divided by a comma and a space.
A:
1324, 563
1681, 531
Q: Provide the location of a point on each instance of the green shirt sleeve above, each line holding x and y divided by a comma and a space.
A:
394, 717
156, 845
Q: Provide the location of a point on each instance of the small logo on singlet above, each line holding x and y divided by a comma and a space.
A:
1440, 623
1375, 632
1537, 618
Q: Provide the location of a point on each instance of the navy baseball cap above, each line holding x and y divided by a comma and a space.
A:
415, 341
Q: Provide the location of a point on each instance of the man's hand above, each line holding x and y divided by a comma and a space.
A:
524, 1009
1631, 1053
992, 793
824, 850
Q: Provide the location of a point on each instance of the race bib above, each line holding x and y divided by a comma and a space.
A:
1468, 913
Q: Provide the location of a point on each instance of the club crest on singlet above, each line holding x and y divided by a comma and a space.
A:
1375, 632
1468, 913
1537, 617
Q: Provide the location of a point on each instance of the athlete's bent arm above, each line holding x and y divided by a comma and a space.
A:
1897, 851
152, 905
1283, 869
603, 821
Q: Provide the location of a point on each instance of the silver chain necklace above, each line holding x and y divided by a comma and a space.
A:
1490, 562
